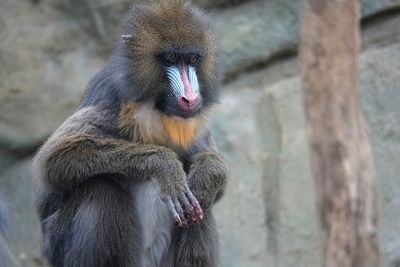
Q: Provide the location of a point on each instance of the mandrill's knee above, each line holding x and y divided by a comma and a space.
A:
95, 226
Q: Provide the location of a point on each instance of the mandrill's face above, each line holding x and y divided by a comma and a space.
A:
181, 95
171, 58
172, 51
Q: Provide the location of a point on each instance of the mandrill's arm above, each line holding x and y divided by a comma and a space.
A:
75, 158
81, 149
207, 175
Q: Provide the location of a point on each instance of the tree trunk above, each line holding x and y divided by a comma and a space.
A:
341, 158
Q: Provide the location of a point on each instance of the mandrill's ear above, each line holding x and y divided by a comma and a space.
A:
127, 39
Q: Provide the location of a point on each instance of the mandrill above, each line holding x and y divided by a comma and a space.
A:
130, 178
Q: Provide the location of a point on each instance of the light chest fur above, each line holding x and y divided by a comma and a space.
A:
143, 124
156, 223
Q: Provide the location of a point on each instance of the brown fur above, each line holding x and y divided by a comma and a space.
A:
126, 121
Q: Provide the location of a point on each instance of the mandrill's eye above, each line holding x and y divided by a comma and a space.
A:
194, 59
169, 59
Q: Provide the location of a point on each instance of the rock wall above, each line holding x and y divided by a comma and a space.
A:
51, 48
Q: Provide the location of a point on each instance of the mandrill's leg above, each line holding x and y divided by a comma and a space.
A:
197, 246
94, 226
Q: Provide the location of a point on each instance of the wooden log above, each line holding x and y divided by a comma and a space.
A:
341, 158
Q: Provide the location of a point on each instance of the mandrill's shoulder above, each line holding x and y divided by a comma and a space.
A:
88, 121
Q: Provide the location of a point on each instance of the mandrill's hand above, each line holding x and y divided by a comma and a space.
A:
175, 192
185, 208
207, 178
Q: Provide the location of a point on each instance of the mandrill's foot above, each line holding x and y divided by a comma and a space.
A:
185, 209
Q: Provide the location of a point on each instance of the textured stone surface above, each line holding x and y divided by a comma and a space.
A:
243, 244
381, 97
254, 33
268, 206
264, 142
46, 64
381, 31
372, 7
259, 31
25, 230
219, 3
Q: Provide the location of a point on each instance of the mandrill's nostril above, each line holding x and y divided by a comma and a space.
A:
188, 102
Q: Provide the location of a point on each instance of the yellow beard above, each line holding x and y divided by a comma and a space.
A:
145, 125
180, 132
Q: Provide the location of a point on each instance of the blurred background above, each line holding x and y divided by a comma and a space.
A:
49, 49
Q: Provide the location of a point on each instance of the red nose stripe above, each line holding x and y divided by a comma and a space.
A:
188, 94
